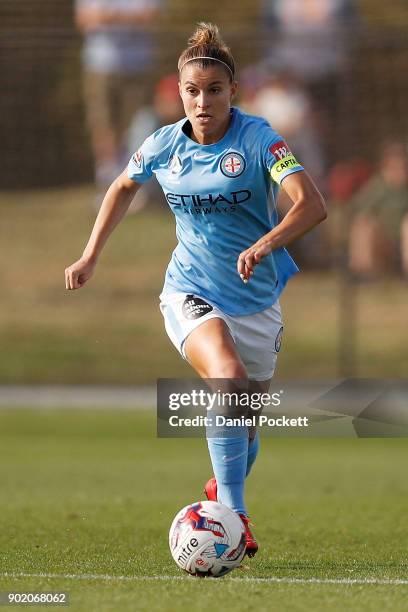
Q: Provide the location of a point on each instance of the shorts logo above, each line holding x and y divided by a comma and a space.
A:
278, 340
232, 164
137, 158
194, 307
280, 150
175, 165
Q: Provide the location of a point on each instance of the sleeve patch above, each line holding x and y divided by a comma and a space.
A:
280, 150
140, 164
138, 158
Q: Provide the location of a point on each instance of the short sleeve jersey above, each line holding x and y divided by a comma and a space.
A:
223, 198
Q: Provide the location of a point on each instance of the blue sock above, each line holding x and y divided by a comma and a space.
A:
253, 450
229, 462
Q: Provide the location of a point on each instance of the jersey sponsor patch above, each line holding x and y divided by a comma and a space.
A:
232, 164
278, 340
194, 307
137, 158
280, 150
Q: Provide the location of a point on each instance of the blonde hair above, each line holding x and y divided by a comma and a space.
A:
206, 47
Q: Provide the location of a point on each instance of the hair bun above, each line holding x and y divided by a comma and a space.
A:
206, 47
206, 34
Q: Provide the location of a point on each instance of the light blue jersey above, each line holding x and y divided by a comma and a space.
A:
223, 197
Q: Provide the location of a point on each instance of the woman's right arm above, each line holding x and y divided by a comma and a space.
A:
114, 206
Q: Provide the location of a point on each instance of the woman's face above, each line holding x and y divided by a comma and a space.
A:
207, 94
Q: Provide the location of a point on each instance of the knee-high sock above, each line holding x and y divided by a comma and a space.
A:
253, 449
229, 461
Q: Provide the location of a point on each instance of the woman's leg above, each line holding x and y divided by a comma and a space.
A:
255, 386
211, 350
253, 450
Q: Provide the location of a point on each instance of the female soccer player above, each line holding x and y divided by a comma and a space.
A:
220, 170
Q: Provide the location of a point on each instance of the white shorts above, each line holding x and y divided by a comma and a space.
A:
258, 336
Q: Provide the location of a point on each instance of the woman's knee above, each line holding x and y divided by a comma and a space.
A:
228, 369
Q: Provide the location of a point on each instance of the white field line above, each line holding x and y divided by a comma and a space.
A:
270, 579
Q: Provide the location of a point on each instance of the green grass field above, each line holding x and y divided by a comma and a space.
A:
87, 498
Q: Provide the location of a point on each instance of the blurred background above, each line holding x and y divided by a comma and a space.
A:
83, 83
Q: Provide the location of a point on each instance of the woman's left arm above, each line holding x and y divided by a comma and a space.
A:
308, 210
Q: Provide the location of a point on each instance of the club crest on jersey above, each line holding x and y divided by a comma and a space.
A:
280, 150
137, 158
232, 164
175, 165
194, 307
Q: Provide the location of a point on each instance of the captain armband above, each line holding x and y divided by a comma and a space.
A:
279, 168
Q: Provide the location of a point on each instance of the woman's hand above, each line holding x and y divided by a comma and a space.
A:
79, 273
250, 258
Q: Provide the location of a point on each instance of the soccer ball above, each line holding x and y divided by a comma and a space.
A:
207, 539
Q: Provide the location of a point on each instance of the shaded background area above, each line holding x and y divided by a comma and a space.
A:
112, 331
44, 141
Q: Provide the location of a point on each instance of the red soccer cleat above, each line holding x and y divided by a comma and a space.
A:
251, 543
210, 491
